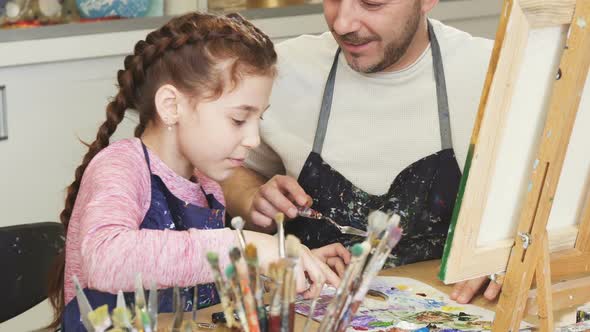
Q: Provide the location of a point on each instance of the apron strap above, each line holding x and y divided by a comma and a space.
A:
322, 127
441, 95
444, 119
146, 155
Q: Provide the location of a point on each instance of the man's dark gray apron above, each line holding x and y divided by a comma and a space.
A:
423, 194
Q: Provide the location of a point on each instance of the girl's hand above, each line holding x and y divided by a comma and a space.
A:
310, 274
335, 256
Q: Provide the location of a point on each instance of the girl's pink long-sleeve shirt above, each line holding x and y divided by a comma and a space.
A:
105, 247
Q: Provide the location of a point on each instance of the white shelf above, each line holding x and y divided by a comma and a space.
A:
93, 40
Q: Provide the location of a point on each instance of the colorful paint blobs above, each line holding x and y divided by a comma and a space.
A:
410, 306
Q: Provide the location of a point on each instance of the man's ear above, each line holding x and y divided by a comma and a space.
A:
427, 5
166, 101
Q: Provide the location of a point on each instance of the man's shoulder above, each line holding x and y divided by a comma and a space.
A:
456, 43
307, 48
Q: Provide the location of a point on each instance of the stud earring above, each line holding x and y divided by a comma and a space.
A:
169, 128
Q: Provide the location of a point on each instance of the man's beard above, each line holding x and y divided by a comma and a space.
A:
394, 51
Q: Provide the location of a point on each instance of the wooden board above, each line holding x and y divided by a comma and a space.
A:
531, 40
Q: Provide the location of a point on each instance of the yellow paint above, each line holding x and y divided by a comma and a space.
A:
402, 287
449, 308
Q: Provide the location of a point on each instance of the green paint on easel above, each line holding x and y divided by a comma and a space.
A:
457, 208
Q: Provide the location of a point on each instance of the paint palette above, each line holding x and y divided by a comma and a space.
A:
410, 305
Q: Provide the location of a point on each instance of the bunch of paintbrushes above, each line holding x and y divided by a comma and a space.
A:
367, 260
242, 290
143, 317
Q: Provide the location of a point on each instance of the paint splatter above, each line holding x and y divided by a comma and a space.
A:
581, 22
451, 308
407, 309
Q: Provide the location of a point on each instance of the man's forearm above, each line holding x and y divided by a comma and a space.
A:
239, 190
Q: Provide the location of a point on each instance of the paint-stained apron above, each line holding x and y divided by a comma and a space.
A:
166, 211
423, 194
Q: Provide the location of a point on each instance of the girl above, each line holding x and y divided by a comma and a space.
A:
200, 85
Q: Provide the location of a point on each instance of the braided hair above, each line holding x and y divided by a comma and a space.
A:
185, 52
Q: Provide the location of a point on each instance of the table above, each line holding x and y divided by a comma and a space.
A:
424, 271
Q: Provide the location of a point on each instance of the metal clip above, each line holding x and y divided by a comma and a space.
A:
497, 278
526, 239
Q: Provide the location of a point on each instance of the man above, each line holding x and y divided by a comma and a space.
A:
376, 114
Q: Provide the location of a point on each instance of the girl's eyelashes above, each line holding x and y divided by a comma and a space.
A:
238, 122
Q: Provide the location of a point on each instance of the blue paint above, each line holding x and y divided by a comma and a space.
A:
536, 164
530, 186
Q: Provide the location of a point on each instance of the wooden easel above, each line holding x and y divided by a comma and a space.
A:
530, 256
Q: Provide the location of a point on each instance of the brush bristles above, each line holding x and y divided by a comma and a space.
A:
394, 220
366, 247
279, 218
251, 253
213, 258
237, 223
234, 254
293, 245
230, 271
378, 222
356, 250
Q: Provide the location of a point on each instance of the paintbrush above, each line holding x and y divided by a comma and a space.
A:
178, 306
394, 234
293, 246
139, 292
100, 318
230, 273
247, 297
280, 219
222, 290
121, 315
358, 251
251, 256
377, 223
312, 310
152, 307
274, 321
238, 224
83, 305
142, 318
390, 238
196, 300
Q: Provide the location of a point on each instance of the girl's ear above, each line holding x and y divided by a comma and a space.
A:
166, 99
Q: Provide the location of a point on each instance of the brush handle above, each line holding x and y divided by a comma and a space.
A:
239, 304
288, 285
281, 232
262, 320
274, 323
241, 240
251, 312
311, 311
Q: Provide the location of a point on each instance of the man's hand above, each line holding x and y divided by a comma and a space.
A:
279, 194
464, 291
335, 256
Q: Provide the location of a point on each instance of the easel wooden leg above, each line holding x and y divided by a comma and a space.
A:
529, 256
543, 278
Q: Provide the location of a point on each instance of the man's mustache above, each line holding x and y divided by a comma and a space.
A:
354, 39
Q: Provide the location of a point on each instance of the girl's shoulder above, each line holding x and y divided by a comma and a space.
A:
126, 152
122, 160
